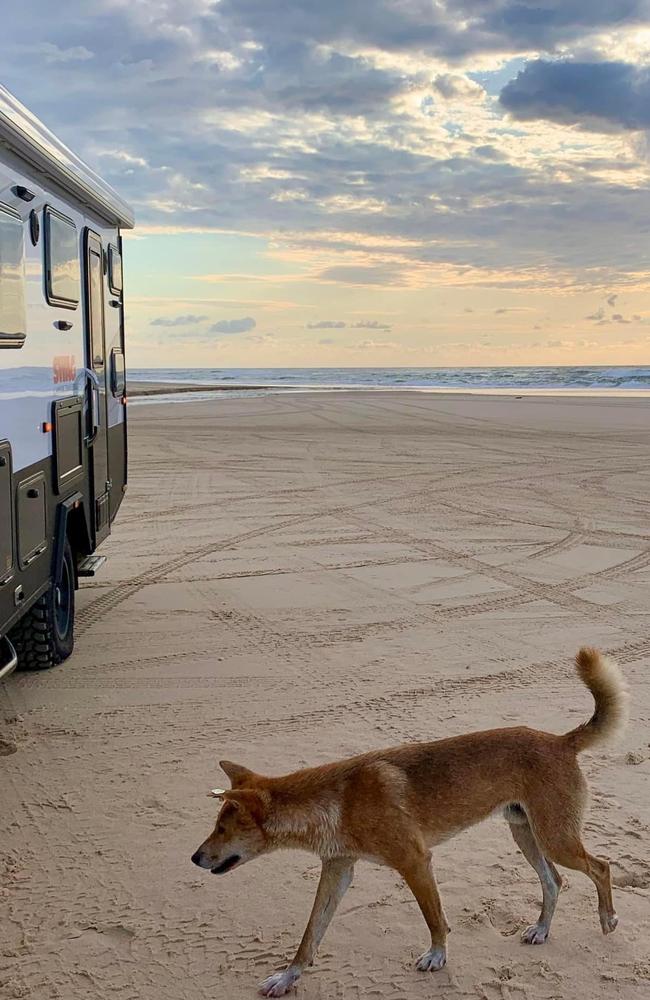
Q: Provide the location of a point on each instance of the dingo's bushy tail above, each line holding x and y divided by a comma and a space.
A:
604, 679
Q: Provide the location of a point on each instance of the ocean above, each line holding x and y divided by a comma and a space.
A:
620, 380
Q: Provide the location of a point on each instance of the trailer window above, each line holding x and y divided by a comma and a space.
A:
96, 307
114, 270
63, 281
12, 279
118, 373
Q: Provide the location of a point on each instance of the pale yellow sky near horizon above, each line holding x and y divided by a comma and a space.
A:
437, 317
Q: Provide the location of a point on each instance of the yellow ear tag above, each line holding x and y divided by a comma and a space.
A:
216, 793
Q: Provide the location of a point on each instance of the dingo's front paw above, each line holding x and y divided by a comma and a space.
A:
432, 960
535, 934
279, 983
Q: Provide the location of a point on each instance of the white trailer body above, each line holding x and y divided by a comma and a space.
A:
62, 382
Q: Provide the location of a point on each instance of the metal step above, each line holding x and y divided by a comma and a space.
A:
90, 565
8, 658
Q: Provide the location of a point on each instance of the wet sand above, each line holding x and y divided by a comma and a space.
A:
138, 389
294, 578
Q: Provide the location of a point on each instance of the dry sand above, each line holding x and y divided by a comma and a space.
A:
293, 579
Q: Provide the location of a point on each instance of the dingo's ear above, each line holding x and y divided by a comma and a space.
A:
247, 801
238, 775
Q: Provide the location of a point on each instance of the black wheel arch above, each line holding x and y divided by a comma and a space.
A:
71, 526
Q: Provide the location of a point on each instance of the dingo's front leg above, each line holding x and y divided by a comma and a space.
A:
336, 876
417, 874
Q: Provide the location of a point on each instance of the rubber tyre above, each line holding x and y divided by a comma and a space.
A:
45, 635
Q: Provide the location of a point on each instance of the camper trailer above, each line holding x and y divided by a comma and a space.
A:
62, 383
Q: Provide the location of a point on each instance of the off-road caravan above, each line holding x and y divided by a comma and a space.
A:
62, 383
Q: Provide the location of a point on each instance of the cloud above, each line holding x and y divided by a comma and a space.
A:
262, 339
371, 324
453, 85
450, 28
513, 309
372, 131
230, 326
327, 324
51, 53
189, 320
374, 345
600, 96
362, 275
583, 344
489, 152
600, 316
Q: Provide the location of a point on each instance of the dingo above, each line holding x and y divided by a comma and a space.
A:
391, 806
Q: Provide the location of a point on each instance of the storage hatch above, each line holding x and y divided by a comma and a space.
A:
6, 513
31, 510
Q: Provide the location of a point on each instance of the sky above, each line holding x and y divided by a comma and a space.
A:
361, 182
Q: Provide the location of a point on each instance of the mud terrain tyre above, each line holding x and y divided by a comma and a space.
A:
45, 636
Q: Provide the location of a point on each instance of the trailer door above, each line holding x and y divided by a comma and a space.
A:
97, 375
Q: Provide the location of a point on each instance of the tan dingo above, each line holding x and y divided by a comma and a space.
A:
391, 806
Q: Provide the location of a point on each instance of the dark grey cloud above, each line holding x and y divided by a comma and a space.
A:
189, 320
544, 25
452, 28
596, 95
489, 152
334, 83
327, 324
230, 326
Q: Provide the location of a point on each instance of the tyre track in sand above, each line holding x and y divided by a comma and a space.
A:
108, 601
386, 710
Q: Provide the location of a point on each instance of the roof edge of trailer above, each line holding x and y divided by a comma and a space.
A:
24, 134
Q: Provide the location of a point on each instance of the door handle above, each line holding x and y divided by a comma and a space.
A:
94, 405
63, 324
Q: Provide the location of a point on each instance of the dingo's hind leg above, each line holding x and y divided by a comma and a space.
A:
549, 877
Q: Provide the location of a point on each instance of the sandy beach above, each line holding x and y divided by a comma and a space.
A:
292, 579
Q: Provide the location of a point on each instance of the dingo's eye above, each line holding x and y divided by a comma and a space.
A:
221, 828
